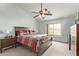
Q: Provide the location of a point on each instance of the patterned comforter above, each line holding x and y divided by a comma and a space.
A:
33, 41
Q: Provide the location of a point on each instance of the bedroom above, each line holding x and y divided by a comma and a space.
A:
14, 15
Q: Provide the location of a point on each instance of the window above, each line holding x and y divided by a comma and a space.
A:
54, 29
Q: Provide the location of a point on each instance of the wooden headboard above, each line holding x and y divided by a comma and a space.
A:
25, 30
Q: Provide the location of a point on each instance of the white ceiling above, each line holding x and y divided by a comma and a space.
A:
58, 10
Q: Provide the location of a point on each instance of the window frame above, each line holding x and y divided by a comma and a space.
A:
59, 29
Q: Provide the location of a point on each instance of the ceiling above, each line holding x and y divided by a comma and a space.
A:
58, 10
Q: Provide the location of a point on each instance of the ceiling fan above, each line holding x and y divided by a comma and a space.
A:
42, 12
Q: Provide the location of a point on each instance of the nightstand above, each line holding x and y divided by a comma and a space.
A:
6, 42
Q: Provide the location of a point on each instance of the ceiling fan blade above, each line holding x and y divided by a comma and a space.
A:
47, 14
36, 16
35, 12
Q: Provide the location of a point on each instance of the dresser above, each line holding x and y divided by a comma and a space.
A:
75, 39
6, 42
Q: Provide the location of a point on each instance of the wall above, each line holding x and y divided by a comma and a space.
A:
12, 16
66, 23
41, 27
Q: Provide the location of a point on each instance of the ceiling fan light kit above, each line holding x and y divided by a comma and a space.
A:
42, 13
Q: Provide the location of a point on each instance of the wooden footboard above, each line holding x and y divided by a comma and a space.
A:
43, 47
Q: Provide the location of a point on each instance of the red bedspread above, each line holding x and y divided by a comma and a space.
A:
31, 42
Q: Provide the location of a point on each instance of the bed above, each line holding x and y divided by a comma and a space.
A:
29, 38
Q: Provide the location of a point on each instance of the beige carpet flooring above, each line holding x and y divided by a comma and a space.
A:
59, 49
56, 49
